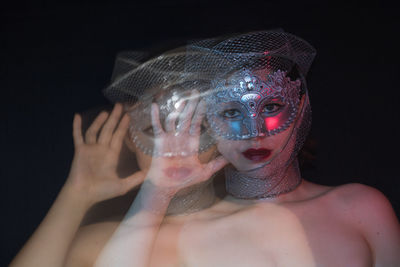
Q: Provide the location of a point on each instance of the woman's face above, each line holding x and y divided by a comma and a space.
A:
252, 153
251, 115
249, 154
141, 138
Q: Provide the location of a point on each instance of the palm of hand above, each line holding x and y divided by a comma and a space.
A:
94, 167
175, 164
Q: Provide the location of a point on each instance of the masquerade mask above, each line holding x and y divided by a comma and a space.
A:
250, 104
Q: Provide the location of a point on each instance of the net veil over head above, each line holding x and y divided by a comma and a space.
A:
261, 93
252, 85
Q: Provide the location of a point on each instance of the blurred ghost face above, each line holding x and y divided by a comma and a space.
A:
140, 138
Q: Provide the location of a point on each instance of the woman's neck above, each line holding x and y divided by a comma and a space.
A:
261, 184
192, 199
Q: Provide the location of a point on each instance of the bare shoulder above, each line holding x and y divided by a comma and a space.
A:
359, 197
88, 243
361, 201
368, 210
365, 207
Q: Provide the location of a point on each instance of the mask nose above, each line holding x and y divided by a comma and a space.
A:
255, 127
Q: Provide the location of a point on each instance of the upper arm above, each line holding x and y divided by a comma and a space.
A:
378, 223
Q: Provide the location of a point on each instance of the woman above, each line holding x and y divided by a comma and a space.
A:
273, 216
258, 112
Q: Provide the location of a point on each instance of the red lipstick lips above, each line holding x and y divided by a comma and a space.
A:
257, 154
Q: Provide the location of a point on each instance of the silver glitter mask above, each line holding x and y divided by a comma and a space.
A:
253, 103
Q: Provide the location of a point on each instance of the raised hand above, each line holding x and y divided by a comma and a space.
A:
94, 168
176, 164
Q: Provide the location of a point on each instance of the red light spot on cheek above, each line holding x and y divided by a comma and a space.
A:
271, 123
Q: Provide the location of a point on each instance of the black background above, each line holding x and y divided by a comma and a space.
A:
56, 58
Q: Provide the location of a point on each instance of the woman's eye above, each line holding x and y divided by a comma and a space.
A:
271, 108
149, 131
231, 113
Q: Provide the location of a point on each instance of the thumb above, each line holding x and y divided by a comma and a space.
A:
131, 181
215, 165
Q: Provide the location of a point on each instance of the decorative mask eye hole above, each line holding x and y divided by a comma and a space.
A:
271, 108
149, 131
230, 113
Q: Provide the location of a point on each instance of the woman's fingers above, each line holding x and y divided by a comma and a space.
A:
119, 134
155, 120
77, 130
215, 165
130, 182
108, 128
195, 127
91, 133
187, 114
170, 121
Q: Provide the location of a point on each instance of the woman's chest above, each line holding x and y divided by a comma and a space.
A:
282, 238
165, 251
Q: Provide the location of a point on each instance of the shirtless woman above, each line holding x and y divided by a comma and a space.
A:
290, 222
277, 218
273, 217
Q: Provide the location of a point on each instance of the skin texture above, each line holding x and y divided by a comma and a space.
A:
311, 226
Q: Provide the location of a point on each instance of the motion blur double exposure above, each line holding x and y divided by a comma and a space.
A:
215, 128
